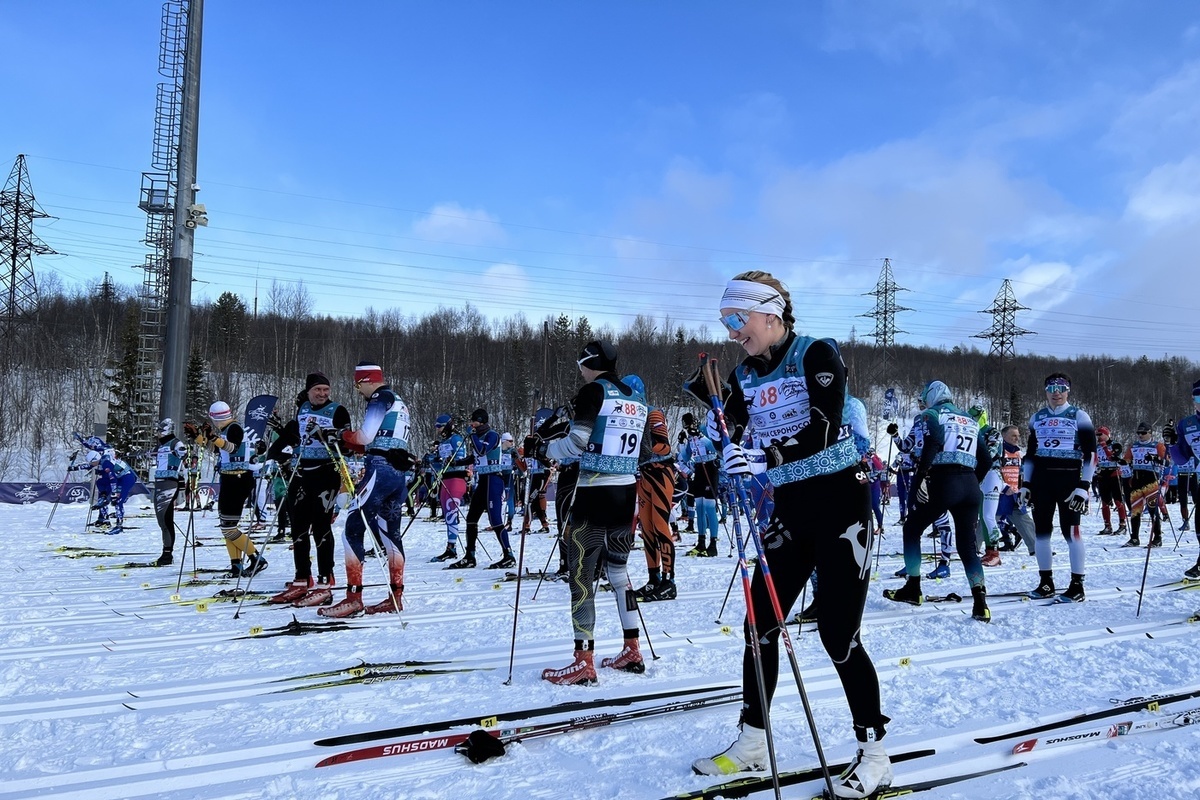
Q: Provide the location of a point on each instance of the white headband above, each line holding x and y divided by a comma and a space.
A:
752, 296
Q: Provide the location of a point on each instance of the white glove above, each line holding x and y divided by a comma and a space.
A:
735, 460
1078, 501
711, 428
1023, 497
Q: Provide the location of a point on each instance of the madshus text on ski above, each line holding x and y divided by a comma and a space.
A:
780, 448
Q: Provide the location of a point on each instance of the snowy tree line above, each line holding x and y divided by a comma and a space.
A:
82, 349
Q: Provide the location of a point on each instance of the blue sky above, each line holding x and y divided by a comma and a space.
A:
623, 158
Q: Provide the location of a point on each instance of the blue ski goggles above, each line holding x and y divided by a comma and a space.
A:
1058, 387
739, 319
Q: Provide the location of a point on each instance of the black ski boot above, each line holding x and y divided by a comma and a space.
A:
701, 548
665, 590
466, 562
980, 610
809, 614
909, 593
166, 559
651, 583
1045, 589
447, 554
1074, 592
508, 561
711, 552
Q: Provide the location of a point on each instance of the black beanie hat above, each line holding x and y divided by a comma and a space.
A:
598, 355
479, 415
315, 379
1195, 388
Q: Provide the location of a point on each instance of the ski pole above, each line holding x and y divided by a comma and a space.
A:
710, 376
708, 368
189, 535
629, 588
62, 488
728, 589
1145, 569
512, 647
266, 540
558, 540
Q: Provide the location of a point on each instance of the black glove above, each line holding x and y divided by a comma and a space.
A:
532, 444
274, 422
190, 431
207, 429
696, 387
557, 424
260, 447
782, 453
893, 429
1170, 436
481, 746
302, 398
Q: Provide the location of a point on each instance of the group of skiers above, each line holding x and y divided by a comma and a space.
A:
783, 448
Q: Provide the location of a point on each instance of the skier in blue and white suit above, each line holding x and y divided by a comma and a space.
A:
790, 393
953, 459
1183, 444
1057, 475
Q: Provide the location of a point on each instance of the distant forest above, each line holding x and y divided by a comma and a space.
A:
82, 349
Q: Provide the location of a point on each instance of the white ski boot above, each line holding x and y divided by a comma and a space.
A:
748, 753
870, 771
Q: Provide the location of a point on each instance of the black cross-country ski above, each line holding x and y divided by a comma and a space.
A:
298, 628
743, 787
905, 789
558, 708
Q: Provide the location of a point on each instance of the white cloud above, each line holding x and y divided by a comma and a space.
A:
1170, 193
1161, 123
451, 223
506, 284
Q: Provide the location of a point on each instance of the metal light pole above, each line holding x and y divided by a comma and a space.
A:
177, 348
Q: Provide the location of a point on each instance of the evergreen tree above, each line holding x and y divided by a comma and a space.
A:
228, 335
122, 387
679, 364
199, 392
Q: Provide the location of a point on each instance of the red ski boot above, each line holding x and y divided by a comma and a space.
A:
294, 591
581, 672
388, 606
347, 608
628, 660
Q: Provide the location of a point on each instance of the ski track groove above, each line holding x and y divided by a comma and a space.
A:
221, 768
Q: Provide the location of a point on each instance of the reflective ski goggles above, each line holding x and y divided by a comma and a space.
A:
739, 319
1058, 387
1196, 398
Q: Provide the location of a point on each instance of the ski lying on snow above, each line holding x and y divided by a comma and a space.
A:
1121, 708
559, 708
523, 732
1189, 717
298, 628
905, 789
742, 787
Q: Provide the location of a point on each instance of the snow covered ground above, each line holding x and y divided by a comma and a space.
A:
113, 689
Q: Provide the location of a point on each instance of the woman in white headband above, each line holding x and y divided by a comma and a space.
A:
788, 395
